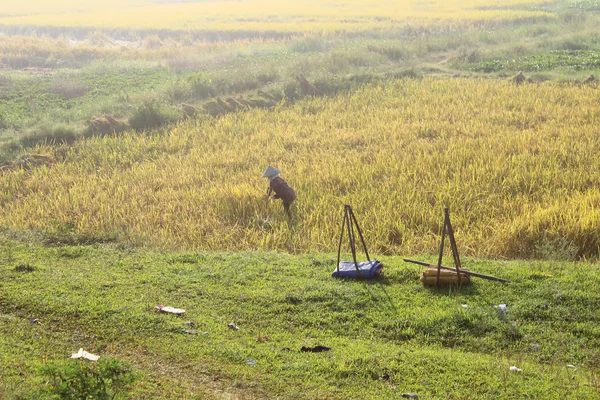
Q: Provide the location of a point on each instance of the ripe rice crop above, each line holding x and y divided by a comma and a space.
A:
517, 165
266, 15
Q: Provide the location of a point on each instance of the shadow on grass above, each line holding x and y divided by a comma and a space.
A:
385, 300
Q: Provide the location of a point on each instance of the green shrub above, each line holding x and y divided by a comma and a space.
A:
150, 114
202, 87
49, 134
179, 91
106, 379
68, 88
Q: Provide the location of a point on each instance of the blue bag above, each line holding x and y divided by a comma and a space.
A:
366, 270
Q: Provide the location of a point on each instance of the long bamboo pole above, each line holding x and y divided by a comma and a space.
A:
462, 271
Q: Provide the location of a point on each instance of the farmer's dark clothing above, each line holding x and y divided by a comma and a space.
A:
282, 190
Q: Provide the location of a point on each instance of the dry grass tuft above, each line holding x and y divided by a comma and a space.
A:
519, 78
106, 125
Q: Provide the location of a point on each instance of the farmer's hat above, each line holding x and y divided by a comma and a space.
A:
270, 171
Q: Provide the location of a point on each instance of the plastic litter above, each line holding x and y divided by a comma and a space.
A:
410, 395
571, 366
190, 331
316, 349
515, 369
190, 323
86, 355
464, 305
501, 307
233, 326
35, 321
170, 310
251, 362
385, 377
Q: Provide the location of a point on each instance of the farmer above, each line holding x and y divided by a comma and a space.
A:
282, 190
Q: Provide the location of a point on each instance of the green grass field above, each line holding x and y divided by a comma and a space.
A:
102, 298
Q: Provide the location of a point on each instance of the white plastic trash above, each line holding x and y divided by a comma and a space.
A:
515, 369
501, 307
170, 310
86, 355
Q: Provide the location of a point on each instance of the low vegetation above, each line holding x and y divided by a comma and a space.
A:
386, 338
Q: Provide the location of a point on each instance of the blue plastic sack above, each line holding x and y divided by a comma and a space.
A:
368, 269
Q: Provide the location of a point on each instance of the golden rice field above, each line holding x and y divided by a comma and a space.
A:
264, 15
517, 165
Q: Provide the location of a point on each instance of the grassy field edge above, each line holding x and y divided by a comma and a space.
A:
386, 337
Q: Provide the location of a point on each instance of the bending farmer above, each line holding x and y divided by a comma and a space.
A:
282, 190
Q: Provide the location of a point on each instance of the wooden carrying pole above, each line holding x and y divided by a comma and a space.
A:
458, 268
462, 271
448, 229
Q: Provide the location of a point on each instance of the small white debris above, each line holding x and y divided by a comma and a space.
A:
86, 355
464, 305
515, 369
170, 310
233, 326
501, 307
571, 366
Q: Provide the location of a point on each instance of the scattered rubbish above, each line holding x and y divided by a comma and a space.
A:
464, 305
86, 355
410, 395
35, 321
571, 366
316, 349
535, 347
515, 369
548, 275
251, 362
170, 310
190, 323
385, 377
501, 307
190, 331
233, 326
